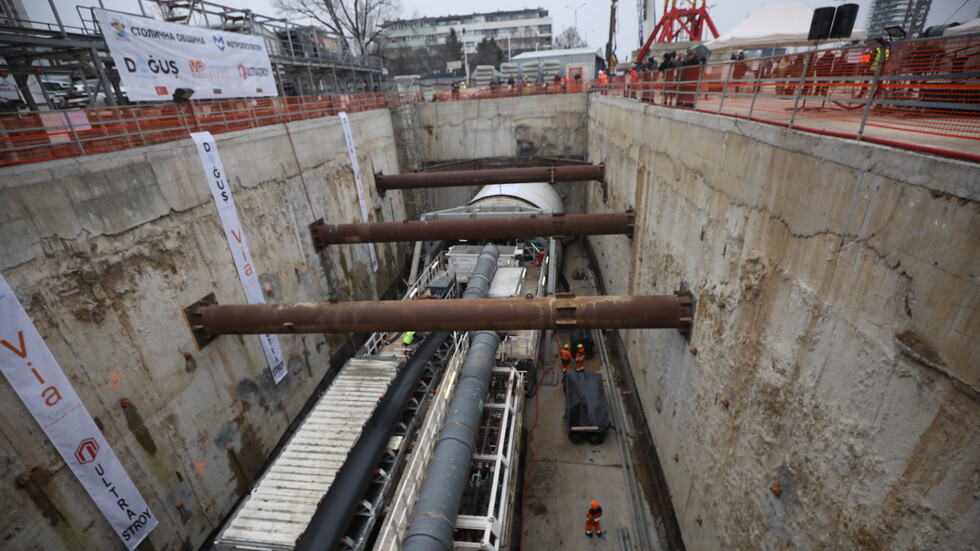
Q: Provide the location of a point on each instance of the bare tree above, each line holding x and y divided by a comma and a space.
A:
569, 38
358, 21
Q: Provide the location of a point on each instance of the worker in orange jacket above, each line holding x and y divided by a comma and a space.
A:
566, 359
592, 520
580, 358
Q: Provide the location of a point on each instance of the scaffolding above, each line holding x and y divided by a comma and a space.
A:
42, 58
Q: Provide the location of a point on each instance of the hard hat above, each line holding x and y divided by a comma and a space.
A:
580, 346
566, 346
595, 504
601, 72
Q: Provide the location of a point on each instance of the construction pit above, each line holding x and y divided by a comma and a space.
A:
825, 393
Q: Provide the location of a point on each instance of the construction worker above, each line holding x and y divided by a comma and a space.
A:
566, 359
592, 520
603, 78
580, 358
408, 338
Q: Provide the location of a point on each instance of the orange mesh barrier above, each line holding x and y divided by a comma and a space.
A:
917, 94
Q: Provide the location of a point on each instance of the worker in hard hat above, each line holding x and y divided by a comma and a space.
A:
566, 359
592, 520
580, 358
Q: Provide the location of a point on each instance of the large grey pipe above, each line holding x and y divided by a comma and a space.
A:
335, 510
438, 502
486, 266
442, 492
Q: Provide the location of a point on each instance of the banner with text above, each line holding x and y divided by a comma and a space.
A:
36, 377
154, 58
214, 170
357, 180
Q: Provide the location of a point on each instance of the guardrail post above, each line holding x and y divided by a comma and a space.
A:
724, 89
697, 88
755, 91
139, 130
871, 93
67, 115
799, 89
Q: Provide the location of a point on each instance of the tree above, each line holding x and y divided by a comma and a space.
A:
487, 53
569, 38
358, 21
452, 50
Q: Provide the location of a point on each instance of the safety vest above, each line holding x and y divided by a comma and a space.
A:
603, 79
594, 514
566, 356
580, 354
409, 337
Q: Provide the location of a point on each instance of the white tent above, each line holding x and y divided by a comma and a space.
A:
772, 25
965, 28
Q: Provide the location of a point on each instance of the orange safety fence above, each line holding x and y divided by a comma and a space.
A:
34, 137
917, 94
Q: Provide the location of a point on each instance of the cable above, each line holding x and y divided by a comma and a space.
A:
965, 2
312, 212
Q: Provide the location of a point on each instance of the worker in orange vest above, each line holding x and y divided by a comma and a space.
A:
592, 520
566, 359
580, 358
603, 78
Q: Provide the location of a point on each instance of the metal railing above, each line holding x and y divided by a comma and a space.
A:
922, 95
918, 94
43, 136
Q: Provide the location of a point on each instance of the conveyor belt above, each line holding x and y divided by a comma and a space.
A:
281, 505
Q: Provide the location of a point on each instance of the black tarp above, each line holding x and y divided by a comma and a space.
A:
585, 402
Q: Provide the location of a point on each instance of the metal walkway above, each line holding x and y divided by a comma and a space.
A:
283, 501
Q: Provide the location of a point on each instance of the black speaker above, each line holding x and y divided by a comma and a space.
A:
844, 21
820, 25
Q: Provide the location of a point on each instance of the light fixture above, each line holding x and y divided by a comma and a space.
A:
876, 42
895, 31
183, 94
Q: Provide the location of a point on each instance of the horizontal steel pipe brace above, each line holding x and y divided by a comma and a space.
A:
455, 178
509, 227
501, 314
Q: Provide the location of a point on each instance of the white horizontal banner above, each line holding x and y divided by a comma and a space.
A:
34, 374
214, 171
154, 58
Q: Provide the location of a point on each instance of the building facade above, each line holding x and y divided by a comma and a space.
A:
519, 30
909, 14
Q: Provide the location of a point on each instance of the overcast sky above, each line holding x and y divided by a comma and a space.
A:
592, 16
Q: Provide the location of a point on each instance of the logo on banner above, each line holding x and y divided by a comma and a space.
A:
246, 72
155, 66
86, 451
219, 41
120, 30
161, 90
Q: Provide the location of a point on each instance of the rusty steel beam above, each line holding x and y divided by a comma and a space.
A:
551, 174
502, 314
510, 227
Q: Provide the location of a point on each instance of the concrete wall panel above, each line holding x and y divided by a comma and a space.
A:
104, 252
837, 314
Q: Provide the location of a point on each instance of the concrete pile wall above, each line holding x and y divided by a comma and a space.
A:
837, 317
509, 127
105, 251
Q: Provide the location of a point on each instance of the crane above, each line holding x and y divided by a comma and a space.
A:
610, 46
678, 21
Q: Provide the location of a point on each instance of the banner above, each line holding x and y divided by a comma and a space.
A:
36, 377
357, 180
154, 58
214, 171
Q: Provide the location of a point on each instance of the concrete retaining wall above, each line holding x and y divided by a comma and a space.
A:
509, 127
105, 251
837, 315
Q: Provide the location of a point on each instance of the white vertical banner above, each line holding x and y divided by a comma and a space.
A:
214, 170
36, 377
357, 180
